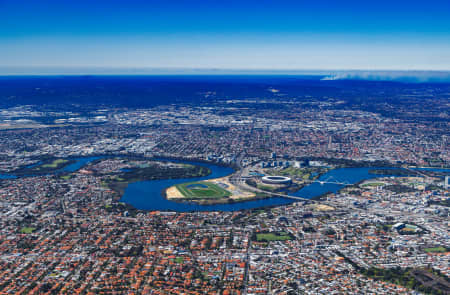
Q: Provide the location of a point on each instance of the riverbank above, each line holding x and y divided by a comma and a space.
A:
149, 194
119, 182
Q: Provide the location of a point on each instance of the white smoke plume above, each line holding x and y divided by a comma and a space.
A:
401, 76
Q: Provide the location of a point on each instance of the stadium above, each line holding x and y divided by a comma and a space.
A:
280, 180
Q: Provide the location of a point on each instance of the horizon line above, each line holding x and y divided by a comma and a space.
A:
406, 75
213, 69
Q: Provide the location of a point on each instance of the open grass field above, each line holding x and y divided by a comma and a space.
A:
55, 163
27, 230
373, 184
436, 250
268, 237
291, 171
202, 190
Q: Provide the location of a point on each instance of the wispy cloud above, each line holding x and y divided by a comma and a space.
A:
402, 76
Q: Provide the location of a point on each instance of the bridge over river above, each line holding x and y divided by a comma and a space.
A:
240, 182
331, 180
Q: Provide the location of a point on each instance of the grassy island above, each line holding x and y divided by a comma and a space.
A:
45, 166
54, 164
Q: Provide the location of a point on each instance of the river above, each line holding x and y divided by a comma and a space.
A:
147, 195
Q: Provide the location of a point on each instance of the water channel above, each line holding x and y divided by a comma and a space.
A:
147, 195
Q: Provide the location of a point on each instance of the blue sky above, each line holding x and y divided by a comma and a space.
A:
365, 35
